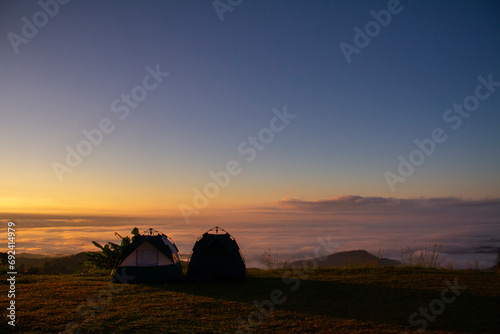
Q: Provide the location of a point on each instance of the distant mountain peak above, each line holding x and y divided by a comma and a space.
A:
40, 256
358, 257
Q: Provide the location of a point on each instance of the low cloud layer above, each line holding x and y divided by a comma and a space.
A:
468, 230
351, 202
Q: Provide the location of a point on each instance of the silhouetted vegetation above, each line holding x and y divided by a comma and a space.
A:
424, 257
64, 265
48, 265
272, 260
4, 258
110, 253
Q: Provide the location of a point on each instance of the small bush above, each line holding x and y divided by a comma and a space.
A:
425, 256
272, 261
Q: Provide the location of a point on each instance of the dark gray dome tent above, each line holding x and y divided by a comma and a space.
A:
216, 256
152, 257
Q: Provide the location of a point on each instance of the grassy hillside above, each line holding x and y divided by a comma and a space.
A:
52, 265
335, 300
67, 264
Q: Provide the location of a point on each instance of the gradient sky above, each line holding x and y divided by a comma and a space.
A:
353, 120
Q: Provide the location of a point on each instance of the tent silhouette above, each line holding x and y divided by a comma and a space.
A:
151, 258
216, 256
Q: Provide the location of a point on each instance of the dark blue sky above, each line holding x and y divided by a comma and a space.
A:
353, 119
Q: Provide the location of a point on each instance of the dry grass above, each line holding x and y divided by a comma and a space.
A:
351, 300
